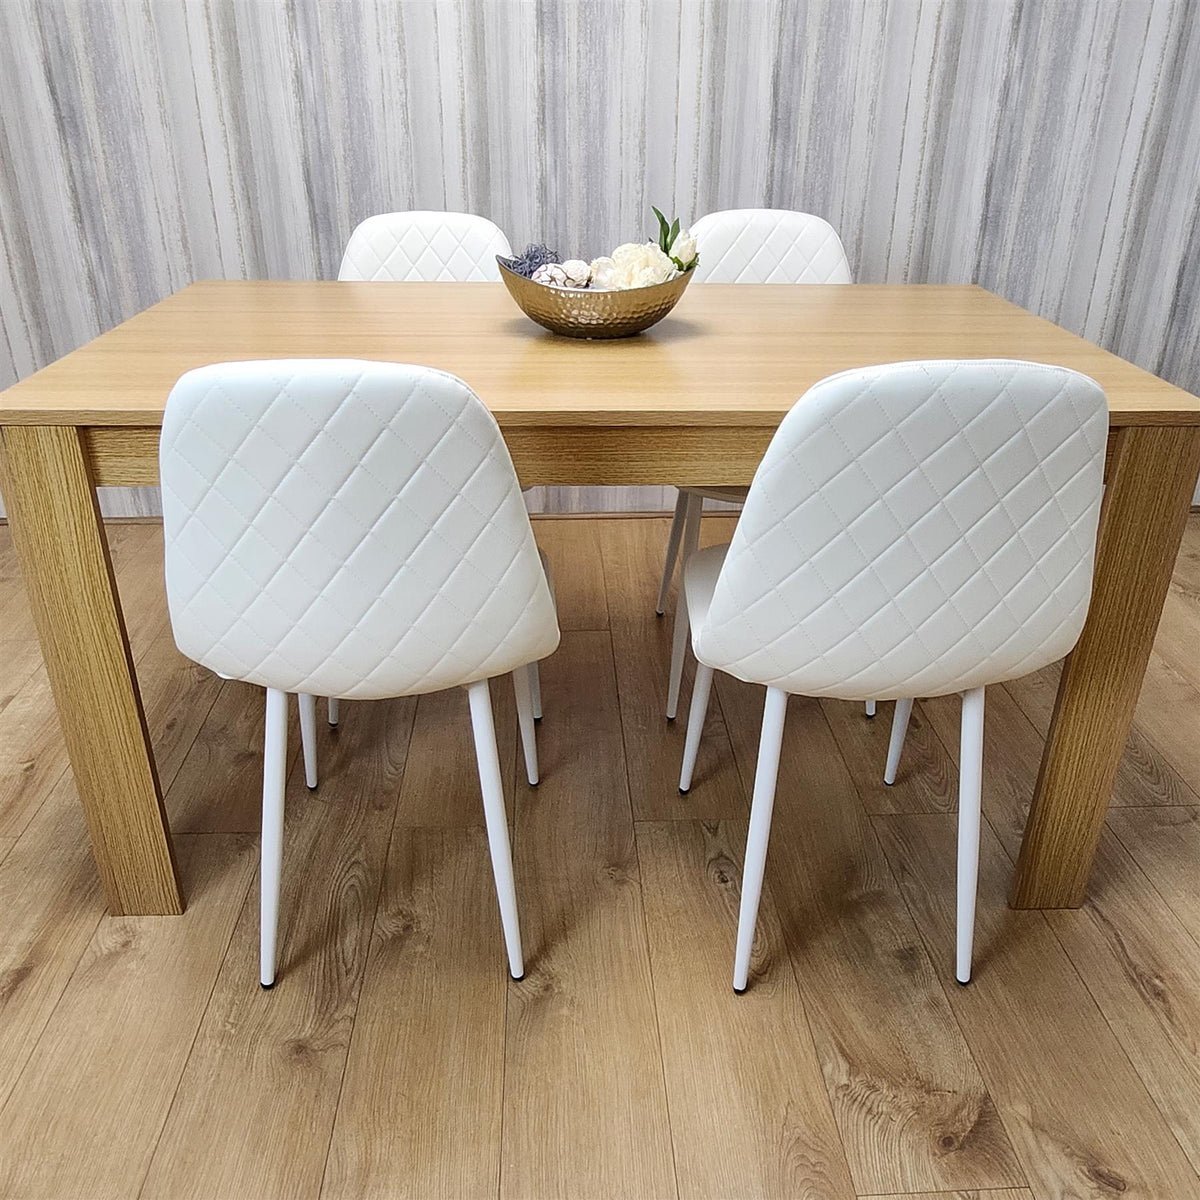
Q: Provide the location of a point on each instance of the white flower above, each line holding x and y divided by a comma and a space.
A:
604, 274
683, 248
578, 272
551, 274
640, 264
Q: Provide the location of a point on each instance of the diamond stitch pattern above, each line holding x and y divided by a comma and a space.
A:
913, 530
346, 528
426, 247
767, 245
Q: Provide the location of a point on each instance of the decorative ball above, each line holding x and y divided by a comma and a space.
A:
578, 272
552, 274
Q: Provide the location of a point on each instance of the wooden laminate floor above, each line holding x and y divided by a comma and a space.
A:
394, 1058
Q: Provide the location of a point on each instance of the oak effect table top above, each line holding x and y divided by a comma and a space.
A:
729, 354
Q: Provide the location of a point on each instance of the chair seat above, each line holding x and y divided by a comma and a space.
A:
734, 495
699, 580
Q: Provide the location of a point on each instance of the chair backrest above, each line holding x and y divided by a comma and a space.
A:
424, 247
346, 528
768, 245
916, 529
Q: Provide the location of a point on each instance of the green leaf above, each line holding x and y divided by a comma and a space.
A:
663, 229
674, 234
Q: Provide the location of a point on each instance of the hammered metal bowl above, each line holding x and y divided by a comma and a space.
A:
582, 313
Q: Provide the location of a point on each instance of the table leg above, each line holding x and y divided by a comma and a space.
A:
60, 541
1151, 476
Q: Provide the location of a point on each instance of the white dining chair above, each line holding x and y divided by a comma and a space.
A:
424, 247
415, 247
916, 529
356, 530
744, 245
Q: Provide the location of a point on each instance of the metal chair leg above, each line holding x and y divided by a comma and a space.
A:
765, 776
523, 690
271, 859
672, 551
970, 805
695, 729
896, 745
308, 737
691, 540
492, 787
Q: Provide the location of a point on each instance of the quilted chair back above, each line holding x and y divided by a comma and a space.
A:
424, 247
768, 245
346, 528
915, 529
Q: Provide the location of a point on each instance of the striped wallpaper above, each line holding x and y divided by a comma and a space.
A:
1047, 149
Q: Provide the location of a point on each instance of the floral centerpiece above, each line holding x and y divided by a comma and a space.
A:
632, 265
558, 293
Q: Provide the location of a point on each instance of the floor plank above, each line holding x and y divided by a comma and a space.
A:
585, 1110
177, 697
1165, 843
1079, 1117
973, 1194
137, 556
772, 1132
263, 1078
1143, 970
633, 555
420, 1107
86, 1112
1144, 776
32, 755
401, 1062
1187, 565
18, 638
927, 780
1168, 712
51, 903
219, 785
1012, 750
1176, 637
441, 781
572, 547
909, 1101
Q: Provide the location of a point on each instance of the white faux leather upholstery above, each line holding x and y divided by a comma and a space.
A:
768, 245
765, 245
913, 530
345, 528
424, 247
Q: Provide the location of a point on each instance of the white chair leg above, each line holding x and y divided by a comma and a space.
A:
765, 774
308, 737
896, 745
334, 705
691, 540
870, 708
523, 690
271, 861
695, 729
672, 551
970, 797
490, 785
535, 685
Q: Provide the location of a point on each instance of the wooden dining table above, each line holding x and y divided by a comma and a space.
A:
694, 400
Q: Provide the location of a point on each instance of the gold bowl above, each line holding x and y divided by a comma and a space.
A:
583, 313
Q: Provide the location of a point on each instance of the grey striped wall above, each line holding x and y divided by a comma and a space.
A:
1047, 149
